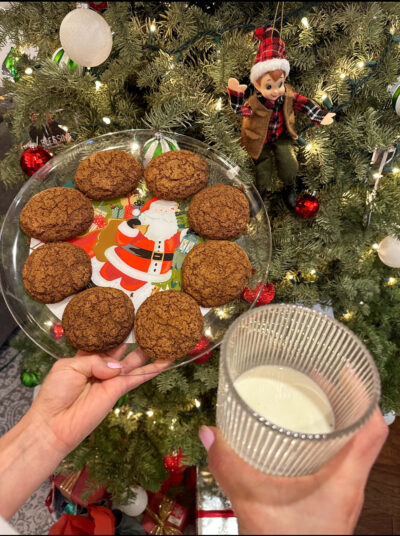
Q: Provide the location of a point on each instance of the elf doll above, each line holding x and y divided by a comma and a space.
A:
268, 115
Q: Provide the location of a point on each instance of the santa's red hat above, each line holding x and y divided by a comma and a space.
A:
271, 54
145, 207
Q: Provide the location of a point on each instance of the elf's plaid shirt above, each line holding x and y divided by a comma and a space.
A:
277, 122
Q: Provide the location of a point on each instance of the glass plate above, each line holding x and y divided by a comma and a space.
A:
42, 323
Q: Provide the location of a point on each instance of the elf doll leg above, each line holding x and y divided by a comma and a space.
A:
286, 161
264, 167
287, 166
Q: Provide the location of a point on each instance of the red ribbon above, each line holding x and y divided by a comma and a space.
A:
215, 513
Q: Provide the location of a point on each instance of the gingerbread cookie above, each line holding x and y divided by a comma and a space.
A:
215, 272
219, 212
168, 324
98, 319
55, 271
108, 174
56, 214
176, 175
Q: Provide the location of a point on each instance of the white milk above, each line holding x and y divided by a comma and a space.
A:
287, 398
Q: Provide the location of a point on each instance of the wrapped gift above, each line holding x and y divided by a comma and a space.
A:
214, 510
164, 515
77, 488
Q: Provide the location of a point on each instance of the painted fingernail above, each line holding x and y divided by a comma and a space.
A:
207, 437
112, 364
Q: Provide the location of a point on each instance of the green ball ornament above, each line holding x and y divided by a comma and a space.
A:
121, 401
29, 379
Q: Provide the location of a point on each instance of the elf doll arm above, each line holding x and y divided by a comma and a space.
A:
312, 110
236, 97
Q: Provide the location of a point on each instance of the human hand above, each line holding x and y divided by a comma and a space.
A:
327, 502
79, 392
234, 85
328, 119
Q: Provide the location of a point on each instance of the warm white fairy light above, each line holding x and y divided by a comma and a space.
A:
218, 106
324, 96
98, 85
208, 332
309, 146
313, 271
150, 413
348, 315
342, 75
395, 170
197, 403
117, 411
377, 175
361, 303
305, 23
361, 64
392, 281
134, 146
171, 427
106, 120
290, 276
130, 414
153, 28
375, 246
28, 70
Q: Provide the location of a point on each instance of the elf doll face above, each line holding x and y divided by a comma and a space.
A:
269, 87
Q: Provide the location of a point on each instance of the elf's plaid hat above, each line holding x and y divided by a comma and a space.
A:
271, 54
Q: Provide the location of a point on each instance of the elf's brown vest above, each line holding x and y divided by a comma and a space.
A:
255, 127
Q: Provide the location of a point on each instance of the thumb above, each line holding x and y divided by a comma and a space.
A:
95, 366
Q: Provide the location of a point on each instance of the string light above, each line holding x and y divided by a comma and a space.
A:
348, 315
395, 170
153, 28
28, 70
313, 271
130, 414
208, 332
117, 411
64, 128
377, 175
361, 64
375, 246
392, 281
150, 413
290, 276
134, 146
342, 76
361, 303
305, 23
218, 106
197, 403
106, 120
309, 146
98, 85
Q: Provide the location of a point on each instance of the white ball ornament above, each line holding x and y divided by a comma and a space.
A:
394, 90
389, 251
86, 37
136, 506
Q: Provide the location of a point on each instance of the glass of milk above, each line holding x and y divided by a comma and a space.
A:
294, 387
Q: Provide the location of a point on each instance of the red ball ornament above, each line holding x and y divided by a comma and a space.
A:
266, 296
307, 206
98, 6
173, 463
100, 221
33, 158
57, 331
200, 347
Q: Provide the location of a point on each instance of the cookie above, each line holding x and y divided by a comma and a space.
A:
168, 324
176, 175
219, 212
108, 174
56, 214
215, 272
98, 319
55, 271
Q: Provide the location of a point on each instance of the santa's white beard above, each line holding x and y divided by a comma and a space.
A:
161, 227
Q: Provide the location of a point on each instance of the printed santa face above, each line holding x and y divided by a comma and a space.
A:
161, 219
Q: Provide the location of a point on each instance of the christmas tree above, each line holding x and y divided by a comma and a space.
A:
168, 70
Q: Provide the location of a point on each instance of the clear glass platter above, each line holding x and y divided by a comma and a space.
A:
42, 323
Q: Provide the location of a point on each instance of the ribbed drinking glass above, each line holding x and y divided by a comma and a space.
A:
311, 343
